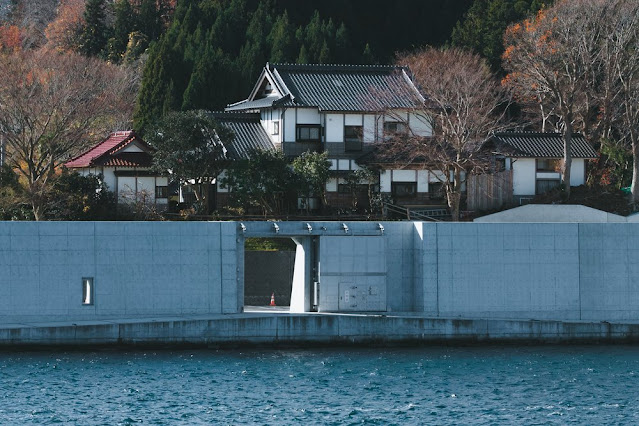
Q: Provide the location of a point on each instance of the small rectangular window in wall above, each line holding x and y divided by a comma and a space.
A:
276, 128
307, 133
404, 189
88, 291
394, 127
353, 137
161, 192
549, 164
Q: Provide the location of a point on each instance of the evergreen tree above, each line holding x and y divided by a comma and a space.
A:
325, 54
483, 27
124, 25
95, 32
367, 55
302, 58
342, 45
254, 53
150, 20
281, 40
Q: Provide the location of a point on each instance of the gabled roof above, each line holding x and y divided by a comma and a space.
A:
539, 145
112, 152
354, 88
249, 133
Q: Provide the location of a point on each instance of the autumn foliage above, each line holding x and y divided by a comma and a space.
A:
10, 38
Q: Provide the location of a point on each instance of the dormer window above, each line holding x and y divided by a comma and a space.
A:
268, 89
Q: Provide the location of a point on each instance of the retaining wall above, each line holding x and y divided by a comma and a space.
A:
561, 271
138, 268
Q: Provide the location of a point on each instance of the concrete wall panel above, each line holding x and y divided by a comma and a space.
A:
138, 269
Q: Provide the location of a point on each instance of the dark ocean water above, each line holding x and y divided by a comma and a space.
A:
429, 385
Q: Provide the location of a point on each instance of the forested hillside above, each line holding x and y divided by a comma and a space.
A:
214, 50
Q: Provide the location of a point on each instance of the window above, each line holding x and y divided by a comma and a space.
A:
548, 165
436, 191
404, 189
391, 127
353, 138
87, 291
545, 185
307, 133
161, 192
276, 128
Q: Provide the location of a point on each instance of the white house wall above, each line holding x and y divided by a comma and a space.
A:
524, 170
269, 118
525, 175
578, 172
420, 124
126, 188
404, 175
334, 127
353, 120
370, 135
308, 116
422, 180
133, 147
385, 181
289, 125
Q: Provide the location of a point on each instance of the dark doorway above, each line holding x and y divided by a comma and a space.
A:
268, 271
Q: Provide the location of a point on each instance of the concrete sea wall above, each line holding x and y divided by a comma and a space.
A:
587, 271
148, 272
138, 269
309, 329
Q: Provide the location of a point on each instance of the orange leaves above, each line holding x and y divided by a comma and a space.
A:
10, 38
62, 33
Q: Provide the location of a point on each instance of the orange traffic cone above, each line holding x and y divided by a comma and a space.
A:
272, 299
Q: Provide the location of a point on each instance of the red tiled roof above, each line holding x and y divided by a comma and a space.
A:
127, 159
106, 153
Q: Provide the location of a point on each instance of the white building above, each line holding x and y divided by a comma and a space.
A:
124, 161
342, 109
536, 158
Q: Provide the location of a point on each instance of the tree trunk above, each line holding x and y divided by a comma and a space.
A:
567, 163
454, 196
37, 210
635, 172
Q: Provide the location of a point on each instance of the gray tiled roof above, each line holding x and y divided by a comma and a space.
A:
256, 104
249, 133
541, 145
339, 88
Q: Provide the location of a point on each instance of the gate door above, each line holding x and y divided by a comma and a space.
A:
352, 274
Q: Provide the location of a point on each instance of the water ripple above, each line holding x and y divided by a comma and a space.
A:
491, 385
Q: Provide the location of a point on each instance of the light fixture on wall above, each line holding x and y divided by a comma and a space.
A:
381, 228
309, 227
276, 228
345, 228
243, 227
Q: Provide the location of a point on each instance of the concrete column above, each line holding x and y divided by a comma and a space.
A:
301, 293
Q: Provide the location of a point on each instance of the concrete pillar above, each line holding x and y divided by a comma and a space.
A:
301, 292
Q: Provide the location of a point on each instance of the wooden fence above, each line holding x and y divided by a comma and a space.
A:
489, 191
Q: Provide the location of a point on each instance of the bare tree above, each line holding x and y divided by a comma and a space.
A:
51, 106
622, 43
554, 61
32, 16
466, 105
